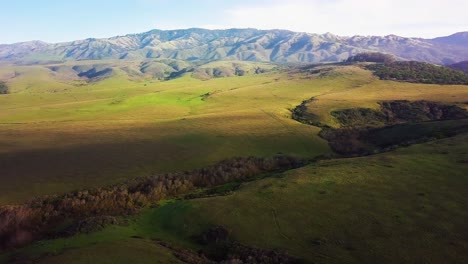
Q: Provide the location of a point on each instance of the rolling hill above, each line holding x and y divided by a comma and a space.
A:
224, 146
81, 149
198, 44
462, 66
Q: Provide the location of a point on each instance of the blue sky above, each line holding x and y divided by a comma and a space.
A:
63, 20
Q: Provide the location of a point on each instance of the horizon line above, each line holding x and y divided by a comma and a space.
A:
219, 29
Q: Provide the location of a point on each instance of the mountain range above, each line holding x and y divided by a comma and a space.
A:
280, 46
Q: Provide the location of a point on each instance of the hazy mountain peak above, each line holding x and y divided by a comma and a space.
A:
239, 44
457, 39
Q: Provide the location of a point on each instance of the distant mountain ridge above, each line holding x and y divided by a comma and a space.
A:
461, 66
198, 44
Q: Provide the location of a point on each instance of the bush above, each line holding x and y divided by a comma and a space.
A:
3, 88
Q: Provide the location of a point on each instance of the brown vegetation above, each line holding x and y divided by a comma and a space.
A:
88, 225
24, 223
3, 88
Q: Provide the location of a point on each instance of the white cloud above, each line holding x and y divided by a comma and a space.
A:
421, 18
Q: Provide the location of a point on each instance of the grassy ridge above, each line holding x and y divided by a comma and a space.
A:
34, 220
406, 206
108, 131
368, 95
358, 209
355, 209
345, 210
105, 132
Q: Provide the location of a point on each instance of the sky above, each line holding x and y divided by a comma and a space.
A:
63, 20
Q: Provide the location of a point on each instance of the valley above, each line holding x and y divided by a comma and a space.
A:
75, 126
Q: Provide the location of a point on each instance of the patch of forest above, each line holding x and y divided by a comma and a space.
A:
301, 114
206, 73
361, 141
37, 218
418, 72
376, 57
397, 112
366, 131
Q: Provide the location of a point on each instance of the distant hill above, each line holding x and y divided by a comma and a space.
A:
462, 66
457, 39
238, 44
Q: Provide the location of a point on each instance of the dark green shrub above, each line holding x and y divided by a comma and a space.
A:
418, 72
3, 88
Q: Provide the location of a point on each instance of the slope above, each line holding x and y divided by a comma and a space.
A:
334, 211
237, 44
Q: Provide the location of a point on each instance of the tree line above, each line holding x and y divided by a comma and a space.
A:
387, 68
24, 223
418, 72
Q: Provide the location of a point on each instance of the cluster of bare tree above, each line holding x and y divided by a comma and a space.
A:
24, 223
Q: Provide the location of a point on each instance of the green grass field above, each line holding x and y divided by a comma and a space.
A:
116, 129
59, 135
407, 206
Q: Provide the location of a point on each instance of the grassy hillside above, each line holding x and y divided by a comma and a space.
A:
114, 129
107, 131
345, 210
355, 210
368, 94
59, 134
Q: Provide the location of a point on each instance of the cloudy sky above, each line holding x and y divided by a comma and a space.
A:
60, 20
